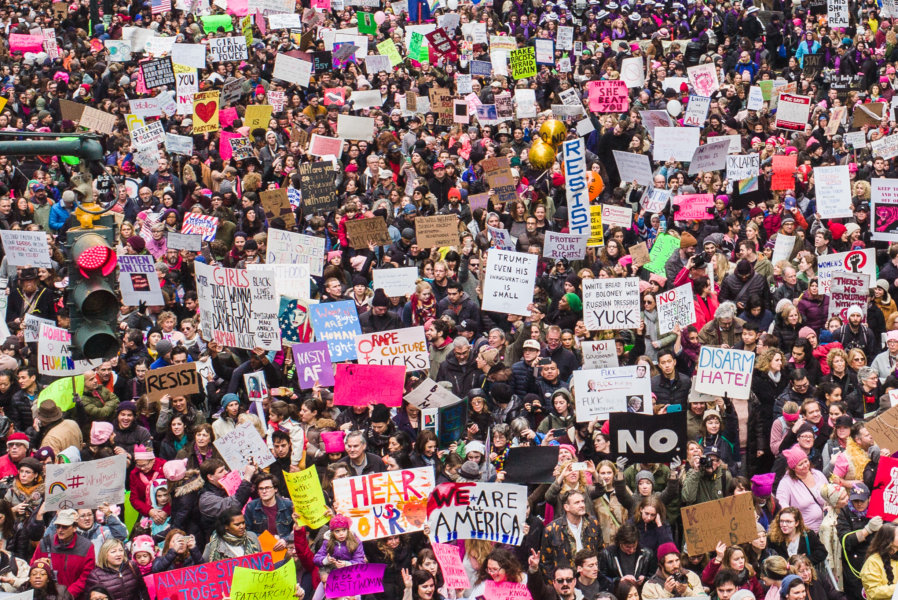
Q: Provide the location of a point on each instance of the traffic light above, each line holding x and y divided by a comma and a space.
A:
92, 302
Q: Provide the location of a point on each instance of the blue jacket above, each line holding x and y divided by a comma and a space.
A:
257, 522
59, 214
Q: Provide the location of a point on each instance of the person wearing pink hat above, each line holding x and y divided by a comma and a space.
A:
800, 487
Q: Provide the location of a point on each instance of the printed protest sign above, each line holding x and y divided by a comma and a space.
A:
782, 248
833, 188
396, 282
884, 495
611, 303
599, 354
313, 365
238, 307
604, 391
87, 484
648, 438
573, 153
287, 247
847, 290
157, 72
501, 510
724, 371
853, 261
202, 225
406, 347
436, 231
792, 112
675, 307
138, 280
336, 323
226, 49
54, 352
242, 446
174, 380
510, 277
450, 564
26, 248
209, 581
565, 245
692, 207
884, 208
633, 167
365, 578
385, 504
617, 216
730, 520
363, 385
305, 491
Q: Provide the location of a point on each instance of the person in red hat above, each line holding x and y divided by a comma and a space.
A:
18, 446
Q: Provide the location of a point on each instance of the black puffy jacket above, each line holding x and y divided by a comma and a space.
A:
125, 583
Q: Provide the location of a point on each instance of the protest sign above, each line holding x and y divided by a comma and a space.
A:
782, 249
276, 205
611, 303
179, 144
884, 428
730, 520
743, 166
703, 79
205, 112
675, 307
677, 143
696, 111
632, 71
202, 225
756, 96
853, 261
884, 208
87, 484
291, 280
363, 385
255, 385
884, 494
523, 62
238, 307
710, 157
506, 590
336, 323
406, 347
292, 70
531, 464
847, 290
654, 200
477, 511
648, 438
251, 584
450, 564
354, 580
226, 49
242, 446
833, 191
510, 277
54, 352
724, 371
885, 147
565, 245
305, 491
209, 581
26, 248
633, 167
604, 391
372, 230
157, 72
287, 247
316, 180
792, 112
617, 216
385, 504
437, 231
429, 394
837, 13
599, 354
608, 96
693, 207
32, 326
398, 282
173, 380
313, 365
138, 280
574, 161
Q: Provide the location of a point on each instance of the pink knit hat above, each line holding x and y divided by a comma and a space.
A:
143, 543
175, 470
794, 455
100, 431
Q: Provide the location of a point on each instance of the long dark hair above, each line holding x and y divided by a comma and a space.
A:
506, 560
882, 544
420, 577
9, 522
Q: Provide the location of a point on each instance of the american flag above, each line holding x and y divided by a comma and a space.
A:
160, 6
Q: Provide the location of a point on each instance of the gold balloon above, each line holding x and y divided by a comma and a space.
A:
553, 132
541, 155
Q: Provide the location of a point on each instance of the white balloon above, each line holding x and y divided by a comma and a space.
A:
452, 4
674, 108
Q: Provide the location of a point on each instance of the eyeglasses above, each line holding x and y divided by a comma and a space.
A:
564, 579
265, 488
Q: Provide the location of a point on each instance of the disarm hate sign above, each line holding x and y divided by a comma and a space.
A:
724, 371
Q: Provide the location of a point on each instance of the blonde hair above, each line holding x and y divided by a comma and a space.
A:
103, 553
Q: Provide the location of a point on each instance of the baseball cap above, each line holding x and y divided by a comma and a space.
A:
858, 491
531, 345
67, 517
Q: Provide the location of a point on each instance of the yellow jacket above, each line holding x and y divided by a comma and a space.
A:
873, 576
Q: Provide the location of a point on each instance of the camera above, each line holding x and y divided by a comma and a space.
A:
698, 261
704, 463
680, 578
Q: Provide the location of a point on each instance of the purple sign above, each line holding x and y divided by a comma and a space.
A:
313, 363
356, 580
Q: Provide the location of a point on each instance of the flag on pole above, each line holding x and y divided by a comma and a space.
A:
160, 6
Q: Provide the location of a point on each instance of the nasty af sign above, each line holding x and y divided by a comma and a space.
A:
724, 371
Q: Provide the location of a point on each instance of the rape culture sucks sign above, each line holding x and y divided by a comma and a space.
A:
724, 371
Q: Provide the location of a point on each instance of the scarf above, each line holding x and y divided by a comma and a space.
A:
180, 442
423, 311
775, 377
241, 542
201, 456
857, 457
689, 349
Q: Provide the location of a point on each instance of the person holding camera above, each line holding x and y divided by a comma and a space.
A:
708, 479
671, 580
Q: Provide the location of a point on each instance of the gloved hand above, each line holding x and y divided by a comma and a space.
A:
874, 525
621, 462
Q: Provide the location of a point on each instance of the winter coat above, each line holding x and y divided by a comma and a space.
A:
185, 511
558, 543
140, 498
171, 561
339, 552
72, 561
125, 583
809, 545
219, 550
814, 310
610, 565
214, 501
751, 584
460, 376
877, 584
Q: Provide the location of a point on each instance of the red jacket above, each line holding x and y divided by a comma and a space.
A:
705, 309
139, 485
305, 555
7, 467
72, 562
752, 584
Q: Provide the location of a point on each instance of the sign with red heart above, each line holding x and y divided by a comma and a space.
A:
205, 112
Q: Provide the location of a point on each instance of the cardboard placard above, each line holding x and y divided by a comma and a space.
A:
730, 520
437, 231
276, 204
316, 181
174, 380
361, 232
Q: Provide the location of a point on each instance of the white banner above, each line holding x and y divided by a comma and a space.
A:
833, 188
138, 280
600, 392
510, 277
406, 347
675, 307
611, 303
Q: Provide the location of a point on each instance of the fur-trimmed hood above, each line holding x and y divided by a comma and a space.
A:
192, 482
